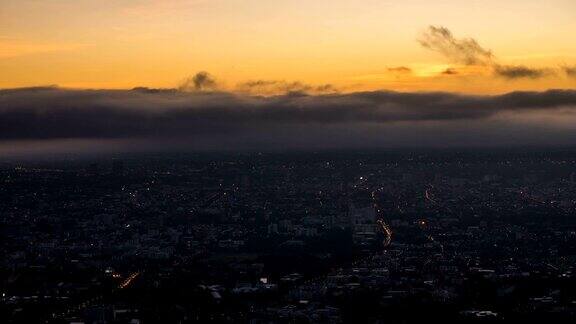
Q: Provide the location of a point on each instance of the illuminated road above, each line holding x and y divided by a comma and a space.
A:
97, 299
429, 196
385, 228
126, 283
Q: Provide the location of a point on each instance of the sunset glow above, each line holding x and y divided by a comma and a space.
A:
350, 45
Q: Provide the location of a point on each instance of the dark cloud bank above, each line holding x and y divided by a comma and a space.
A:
158, 118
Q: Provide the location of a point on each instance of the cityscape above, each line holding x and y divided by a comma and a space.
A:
301, 237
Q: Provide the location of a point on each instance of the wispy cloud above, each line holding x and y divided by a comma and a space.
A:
468, 51
521, 71
201, 81
465, 51
400, 70
570, 71
450, 71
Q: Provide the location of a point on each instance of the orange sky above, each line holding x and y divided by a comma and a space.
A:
351, 44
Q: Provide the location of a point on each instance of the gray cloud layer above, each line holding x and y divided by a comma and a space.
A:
213, 119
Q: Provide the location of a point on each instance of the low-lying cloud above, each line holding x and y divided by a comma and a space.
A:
278, 87
217, 120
